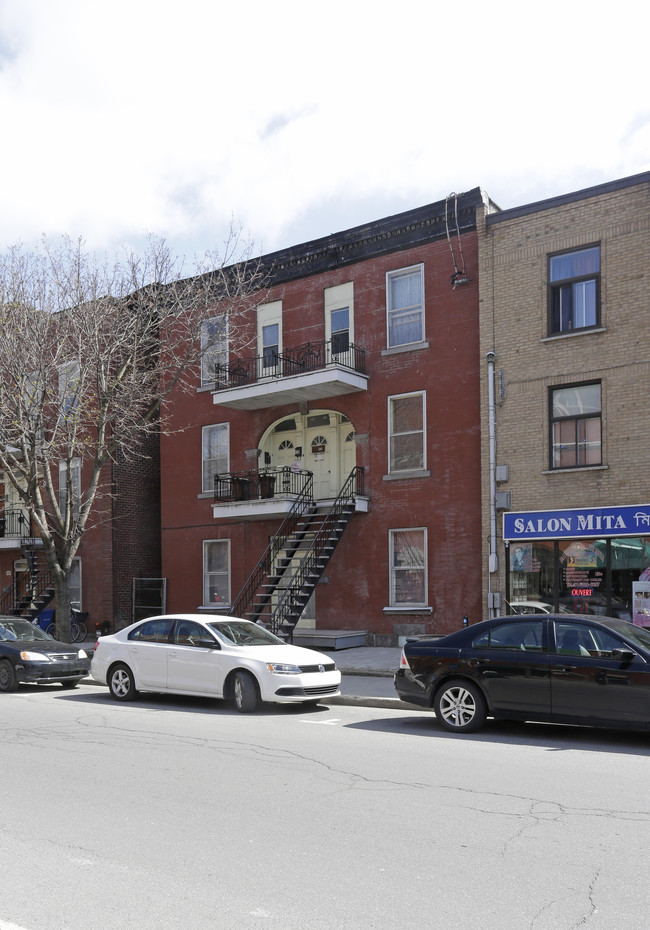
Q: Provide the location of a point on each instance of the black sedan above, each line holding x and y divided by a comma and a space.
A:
562, 668
30, 656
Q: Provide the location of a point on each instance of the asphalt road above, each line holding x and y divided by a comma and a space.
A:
173, 812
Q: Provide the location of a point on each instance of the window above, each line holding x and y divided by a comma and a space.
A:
405, 306
518, 635
215, 453
406, 432
408, 567
269, 339
216, 572
575, 418
72, 481
214, 348
270, 345
574, 290
68, 388
339, 318
153, 631
74, 584
340, 322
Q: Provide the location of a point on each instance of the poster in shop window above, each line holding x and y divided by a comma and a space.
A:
641, 603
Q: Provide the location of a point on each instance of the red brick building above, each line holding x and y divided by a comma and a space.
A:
116, 574
333, 440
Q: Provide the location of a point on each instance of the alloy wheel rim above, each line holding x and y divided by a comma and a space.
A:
458, 707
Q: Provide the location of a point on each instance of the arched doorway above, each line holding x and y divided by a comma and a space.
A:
323, 442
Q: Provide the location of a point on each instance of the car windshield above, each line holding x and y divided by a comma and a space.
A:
244, 633
637, 634
14, 628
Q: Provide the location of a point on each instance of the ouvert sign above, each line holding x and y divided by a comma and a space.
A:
572, 524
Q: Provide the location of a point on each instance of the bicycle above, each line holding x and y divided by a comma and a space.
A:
78, 628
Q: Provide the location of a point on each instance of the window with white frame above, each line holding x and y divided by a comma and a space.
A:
69, 375
70, 479
216, 572
215, 453
408, 567
214, 348
406, 434
405, 306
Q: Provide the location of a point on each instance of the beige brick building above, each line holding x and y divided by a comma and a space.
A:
565, 415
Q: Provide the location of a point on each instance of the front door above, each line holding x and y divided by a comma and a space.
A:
321, 460
588, 683
190, 665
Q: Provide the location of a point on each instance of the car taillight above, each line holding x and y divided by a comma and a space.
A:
95, 647
403, 662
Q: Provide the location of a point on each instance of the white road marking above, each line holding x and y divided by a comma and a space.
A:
321, 723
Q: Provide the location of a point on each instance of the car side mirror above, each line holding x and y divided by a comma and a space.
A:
207, 643
623, 655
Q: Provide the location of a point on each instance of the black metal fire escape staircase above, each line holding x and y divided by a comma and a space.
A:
37, 593
277, 590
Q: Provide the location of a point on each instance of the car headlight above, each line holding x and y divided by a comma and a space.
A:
82, 654
279, 668
34, 657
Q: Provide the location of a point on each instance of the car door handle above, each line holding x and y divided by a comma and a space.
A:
569, 668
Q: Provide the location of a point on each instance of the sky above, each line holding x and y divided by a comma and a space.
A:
296, 120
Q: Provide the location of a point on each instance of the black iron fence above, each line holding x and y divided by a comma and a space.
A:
311, 356
260, 485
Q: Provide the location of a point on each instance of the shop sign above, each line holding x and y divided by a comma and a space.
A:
573, 524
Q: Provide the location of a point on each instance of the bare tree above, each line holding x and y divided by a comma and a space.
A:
89, 349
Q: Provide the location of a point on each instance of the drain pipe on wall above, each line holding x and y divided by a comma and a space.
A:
493, 560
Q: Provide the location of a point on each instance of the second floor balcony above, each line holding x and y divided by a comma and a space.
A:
14, 526
311, 371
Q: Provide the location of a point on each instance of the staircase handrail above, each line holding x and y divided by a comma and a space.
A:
247, 593
308, 564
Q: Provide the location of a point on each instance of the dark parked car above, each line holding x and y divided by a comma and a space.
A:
564, 668
30, 656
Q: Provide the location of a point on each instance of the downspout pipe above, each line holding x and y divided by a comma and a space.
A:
493, 560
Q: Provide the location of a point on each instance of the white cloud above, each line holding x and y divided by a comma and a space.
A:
174, 117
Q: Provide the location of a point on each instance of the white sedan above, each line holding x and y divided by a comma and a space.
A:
220, 657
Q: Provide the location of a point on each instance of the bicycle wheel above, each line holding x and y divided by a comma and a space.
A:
83, 631
75, 632
51, 629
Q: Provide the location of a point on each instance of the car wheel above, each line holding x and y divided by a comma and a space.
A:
120, 683
245, 692
460, 707
8, 680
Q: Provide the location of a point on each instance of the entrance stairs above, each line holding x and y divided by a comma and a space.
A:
279, 587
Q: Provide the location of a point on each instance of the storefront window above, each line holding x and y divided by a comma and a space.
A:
630, 558
582, 581
601, 577
531, 576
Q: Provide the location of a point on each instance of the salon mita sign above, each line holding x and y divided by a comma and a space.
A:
589, 521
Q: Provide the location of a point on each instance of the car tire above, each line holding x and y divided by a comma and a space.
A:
460, 706
120, 682
8, 680
245, 695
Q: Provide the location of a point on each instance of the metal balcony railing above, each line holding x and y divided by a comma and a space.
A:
261, 485
14, 524
311, 356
